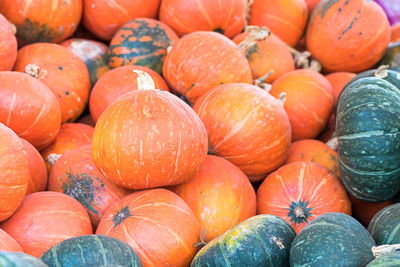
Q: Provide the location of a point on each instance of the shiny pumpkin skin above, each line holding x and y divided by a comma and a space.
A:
149, 138
157, 224
7, 243
142, 42
384, 226
42, 20
220, 195
392, 57
262, 240
19, 259
185, 16
344, 240
38, 122
75, 174
45, 219
285, 18
387, 260
299, 192
217, 59
246, 126
94, 54
117, 82
104, 17
355, 44
364, 211
9, 46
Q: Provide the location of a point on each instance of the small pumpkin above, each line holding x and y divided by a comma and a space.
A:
9, 46
384, 226
392, 57
7, 243
388, 260
19, 259
364, 211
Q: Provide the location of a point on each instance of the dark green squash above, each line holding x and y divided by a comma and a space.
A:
262, 240
91, 250
385, 225
19, 259
388, 260
332, 239
392, 57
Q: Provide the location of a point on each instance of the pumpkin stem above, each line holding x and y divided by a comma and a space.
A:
333, 143
381, 72
282, 97
144, 80
384, 249
299, 212
302, 60
255, 34
260, 82
249, 4
52, 158
35, 71
202, 241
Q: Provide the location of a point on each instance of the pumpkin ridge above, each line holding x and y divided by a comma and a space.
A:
393, 233
258, 237
100, 245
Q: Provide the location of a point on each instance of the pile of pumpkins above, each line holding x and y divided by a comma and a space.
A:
199, 133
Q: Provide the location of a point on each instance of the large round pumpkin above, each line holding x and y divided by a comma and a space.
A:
200, 61
149, 138
29, 108
8, 48
42, 20
45, 219
355, 44
7, 243
384, 226
119, 81
157, 224
301, 191
220, 195
246, 126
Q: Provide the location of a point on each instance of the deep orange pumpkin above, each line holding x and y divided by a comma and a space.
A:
246, 126
29, 108
157, 224
308, 102
119, 81
75, 174
220, 195
285, 18
311, 4
301, 191
355, 44
62, 71
42, 20
105, 17
200, 61
37, 168
8, 47
395, 29
364, 211
44, 219
7, 243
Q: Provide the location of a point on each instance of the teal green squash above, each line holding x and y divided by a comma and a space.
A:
19, 259
392, 57
262, 240
91, 250
385, 225
332, 239
388, 260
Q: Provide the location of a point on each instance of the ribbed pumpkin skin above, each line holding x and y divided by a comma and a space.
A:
262, 240
185, 16
42, 20
7, 243
141, 42
387, 260
285, 18
99, 250
157, 224
309, 101
104, 17
76, 175
392, 57
149, 138
45, 219
301, 191
19, 259
38, 122
270, 54
395, 29
246, 126
352, 45
384, 226
9, 46
220, 195
62, 71
200, 61
364, 211
93, 54
332, 239
117, 82
366, 116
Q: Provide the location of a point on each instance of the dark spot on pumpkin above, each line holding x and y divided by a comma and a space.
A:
60, 68
66, 93
32, 32
59, 96
326, 6
360, 33
254, 49
350, 25
340, 9
191, 87
298, 212
219, 30
121, 216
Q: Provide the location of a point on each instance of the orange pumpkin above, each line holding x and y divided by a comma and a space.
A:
364, 211
29, 108
76, 175
8, 48
105, 17
185, 16
395, 29
42, 20
308, 101
246, 126
285, 18
62, 71
355, 44
44, 219
37, 168
220, 195
301, 191
157, 224
7, 243
119, 81
311, 4
200, 61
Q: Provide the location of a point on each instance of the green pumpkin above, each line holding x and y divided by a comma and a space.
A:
262, 240
392, 56
91, 250
19, 259
385, 225
332, 239
388, 260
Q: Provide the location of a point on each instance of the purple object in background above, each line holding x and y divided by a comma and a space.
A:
392, 9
